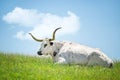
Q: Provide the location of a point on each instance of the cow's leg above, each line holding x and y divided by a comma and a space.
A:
61, 61
94, 59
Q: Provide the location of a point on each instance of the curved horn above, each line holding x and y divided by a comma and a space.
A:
53, 36
39, 40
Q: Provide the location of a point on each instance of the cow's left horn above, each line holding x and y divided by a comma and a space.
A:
53, 36
39, 40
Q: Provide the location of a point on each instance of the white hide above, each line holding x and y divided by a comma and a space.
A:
73, 53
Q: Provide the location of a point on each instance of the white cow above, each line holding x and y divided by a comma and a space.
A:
72, 53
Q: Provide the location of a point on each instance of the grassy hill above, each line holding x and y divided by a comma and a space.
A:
21, 67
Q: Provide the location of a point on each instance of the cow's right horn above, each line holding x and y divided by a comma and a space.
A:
39, 40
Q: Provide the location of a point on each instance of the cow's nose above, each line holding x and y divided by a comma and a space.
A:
39, 53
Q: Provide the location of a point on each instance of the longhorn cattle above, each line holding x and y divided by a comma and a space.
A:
72, 53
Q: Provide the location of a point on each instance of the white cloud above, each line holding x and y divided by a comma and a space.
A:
21, 35
42, 24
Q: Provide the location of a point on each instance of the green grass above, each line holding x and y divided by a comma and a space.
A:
21, 67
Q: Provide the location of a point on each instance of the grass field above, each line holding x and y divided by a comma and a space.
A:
21, 67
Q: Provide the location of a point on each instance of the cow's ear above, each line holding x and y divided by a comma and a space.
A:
51, 43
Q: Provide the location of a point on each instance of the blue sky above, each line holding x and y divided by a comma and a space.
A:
95, 23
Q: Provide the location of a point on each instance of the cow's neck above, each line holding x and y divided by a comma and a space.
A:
58, 46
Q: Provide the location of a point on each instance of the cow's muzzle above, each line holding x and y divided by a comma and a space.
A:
39, 53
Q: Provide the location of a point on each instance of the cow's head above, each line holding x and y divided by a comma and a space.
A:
47, 46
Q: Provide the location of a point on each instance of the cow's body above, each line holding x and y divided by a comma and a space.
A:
73, 53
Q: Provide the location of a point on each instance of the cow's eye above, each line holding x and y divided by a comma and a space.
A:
45, 45
51, 43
